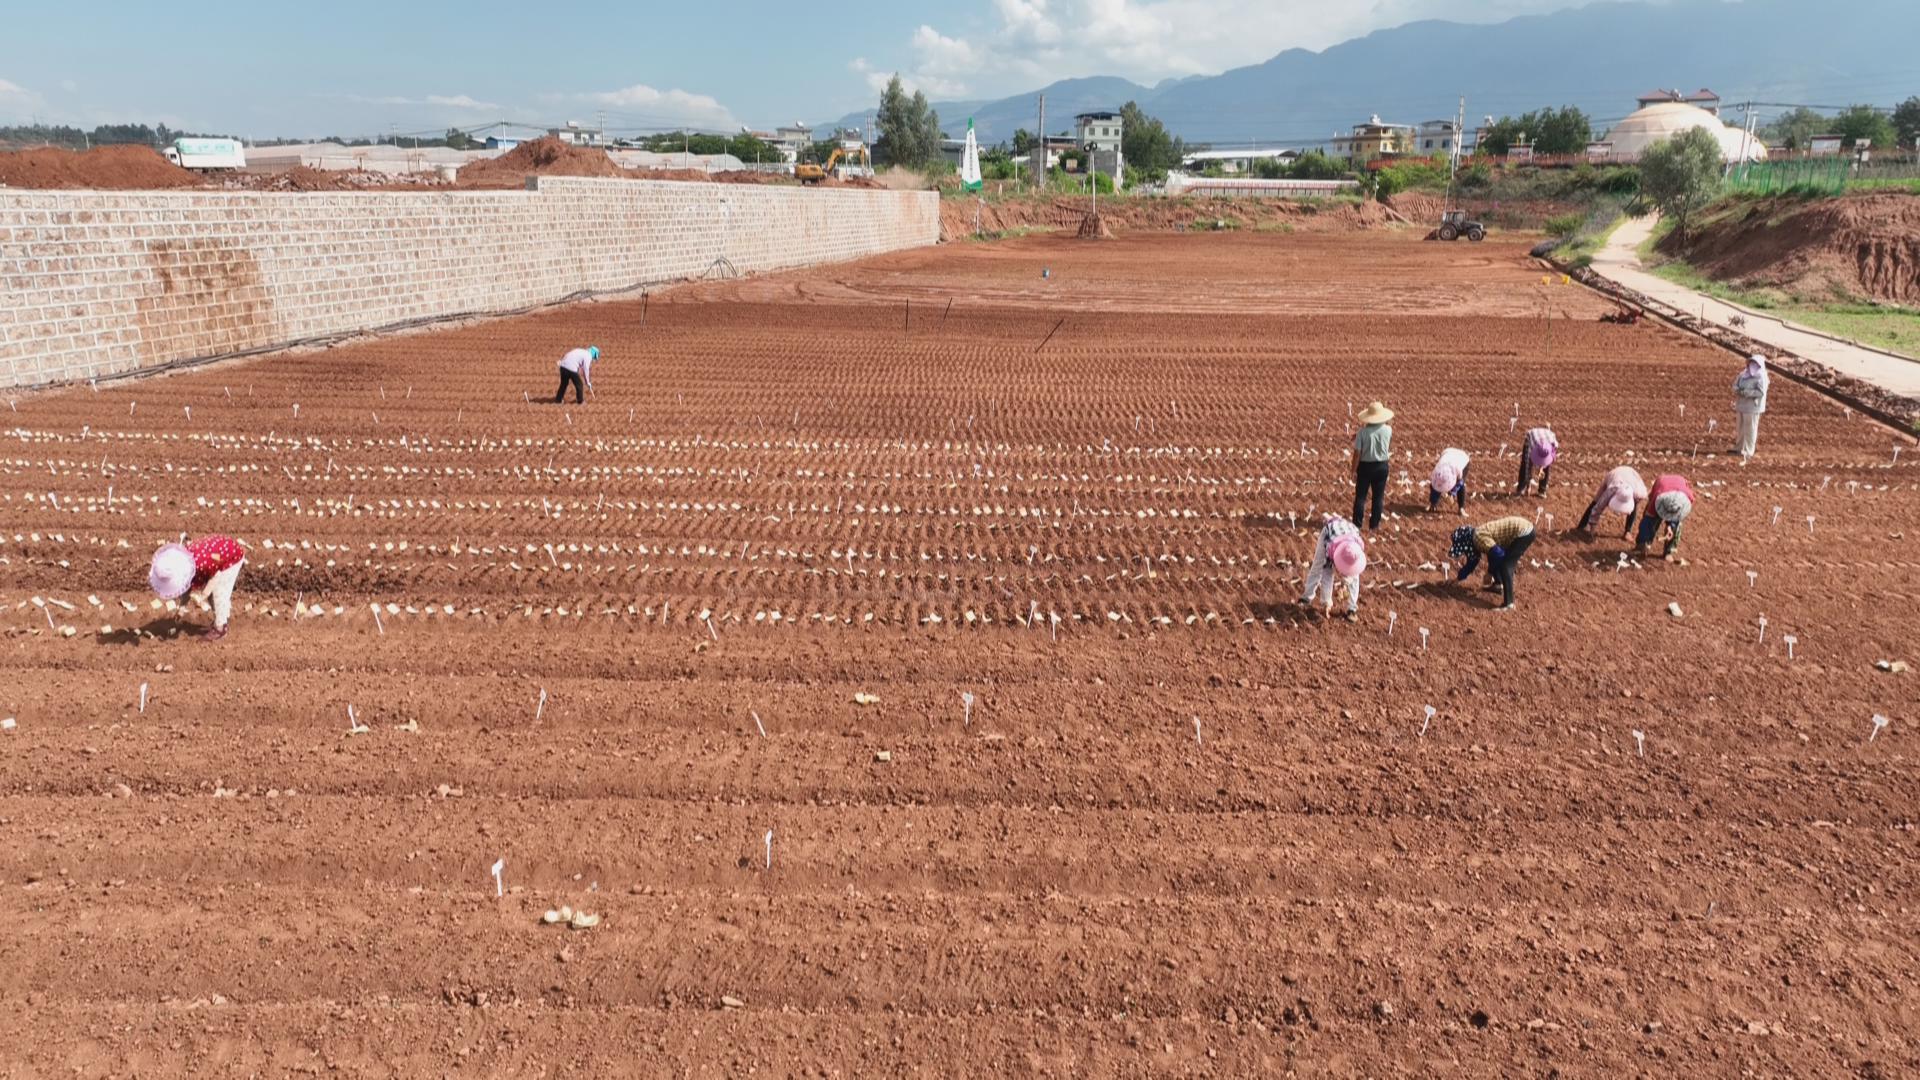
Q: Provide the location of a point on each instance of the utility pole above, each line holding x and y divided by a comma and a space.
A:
1040, 171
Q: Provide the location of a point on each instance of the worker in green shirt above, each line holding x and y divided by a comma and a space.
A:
1372, 456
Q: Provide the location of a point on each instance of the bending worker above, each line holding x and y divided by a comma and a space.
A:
1449, 478
1750, 400
1671, 500
1541, 449
1372, 457
1503, 542
211, 563
1621, 492
1338, 553
576, 370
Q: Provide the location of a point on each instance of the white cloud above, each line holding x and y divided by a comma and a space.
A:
643, 106
18, 102
1034, 42
442, 101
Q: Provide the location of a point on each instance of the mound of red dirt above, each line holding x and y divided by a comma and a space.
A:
106, 168
1094, 227
545, 156
1822, 249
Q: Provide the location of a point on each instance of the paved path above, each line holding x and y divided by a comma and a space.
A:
1619, 261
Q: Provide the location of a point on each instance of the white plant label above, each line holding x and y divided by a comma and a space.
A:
966, 708
1879, 724
1423, 639
769, 842
1392, 617
758, 724
499, 878
1427, 720
1640, 742
1809, 524
1791, 642
1752, 576
1196, 731
377, 624
540, 709
1776, 514
143, 698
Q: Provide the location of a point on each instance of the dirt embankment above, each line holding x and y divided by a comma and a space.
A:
957, 216
105, 168
1856, 246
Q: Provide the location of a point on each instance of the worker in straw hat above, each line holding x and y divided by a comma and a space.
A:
1372, 457
576, 370
1502, 542
1538, 453
1671, 499
1621, 492
210, 564
1449, 479
1338, 553
1750, 401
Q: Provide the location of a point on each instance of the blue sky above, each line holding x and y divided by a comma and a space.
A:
354, 67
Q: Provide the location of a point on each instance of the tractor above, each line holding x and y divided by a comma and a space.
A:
1454, 225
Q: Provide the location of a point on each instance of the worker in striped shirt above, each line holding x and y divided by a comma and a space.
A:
1621, 492
1671, 500
1340, 555
1503, 542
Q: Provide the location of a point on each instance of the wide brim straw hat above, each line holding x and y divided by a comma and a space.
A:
172, 572
1375, 413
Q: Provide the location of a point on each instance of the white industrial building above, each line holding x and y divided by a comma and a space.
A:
1664, 119
1235, 162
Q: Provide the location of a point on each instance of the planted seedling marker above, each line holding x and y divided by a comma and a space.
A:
1791, 642
1392, 617
296, 410
499, 877
143, 698
1427, 720
1809, 524
1423, 639
1879, 723
1053, 625
1711, 424
769, 842
1763, 630
377, 624
1896, 455
758, 724
711, 632
966, 708
1640, 742
1776, 514
541, 708
1752, 576
1196, 732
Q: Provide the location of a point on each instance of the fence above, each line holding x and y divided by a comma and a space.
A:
1830, 175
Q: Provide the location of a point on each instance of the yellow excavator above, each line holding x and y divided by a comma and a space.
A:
808, 173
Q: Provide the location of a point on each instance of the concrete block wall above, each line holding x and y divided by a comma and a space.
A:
94, 283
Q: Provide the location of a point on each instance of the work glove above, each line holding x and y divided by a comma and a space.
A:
1498, 552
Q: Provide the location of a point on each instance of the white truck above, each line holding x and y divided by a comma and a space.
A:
207, 154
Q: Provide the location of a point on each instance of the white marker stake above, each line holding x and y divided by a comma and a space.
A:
143, 698
1791, 642
188, 409
48, 612
499, 877
966, 708
377, 624
1879, 722
1896, 461
1512, 422
758, 724
1711, 424
769, 849
1423, 639
711, 632
1428, 719
1809, 524
1549, 522
1503, 451
1776, 514
1683, 409
1763, 630
1392, 617
541, 708
296, 410
1196, 732
1053, 627
1640, 742
1752, 576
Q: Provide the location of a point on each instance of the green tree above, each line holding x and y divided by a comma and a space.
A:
1146, 144
1565, 130
1314, 165
1906, 121
459, 140
1681, 175
909, 129
1796, 128
1023, 141
1864, 122
926, 124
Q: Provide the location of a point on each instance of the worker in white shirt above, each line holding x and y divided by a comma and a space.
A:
576, 370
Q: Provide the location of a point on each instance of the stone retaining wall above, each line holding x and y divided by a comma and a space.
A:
95, 283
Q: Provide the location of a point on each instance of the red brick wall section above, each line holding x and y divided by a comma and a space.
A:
94, 283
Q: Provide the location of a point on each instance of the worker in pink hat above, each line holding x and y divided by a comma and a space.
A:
1338, 553
1542, 448
210, 564
1449, 479
1621, 492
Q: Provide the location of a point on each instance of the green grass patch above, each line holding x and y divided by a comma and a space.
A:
1883, 326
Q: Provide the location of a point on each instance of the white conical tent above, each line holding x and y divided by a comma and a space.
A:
970, 161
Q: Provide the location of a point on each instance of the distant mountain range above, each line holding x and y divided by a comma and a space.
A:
1599, 57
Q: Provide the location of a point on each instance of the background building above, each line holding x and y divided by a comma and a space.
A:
1097, 131
1235, 162
1375, 138
1662, 120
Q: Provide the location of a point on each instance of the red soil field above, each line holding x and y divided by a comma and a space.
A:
794, 490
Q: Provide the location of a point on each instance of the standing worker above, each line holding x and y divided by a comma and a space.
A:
576, 370
1372, 458
1750, 400
1541, 449
1670, 501
1503, 542
1621, 492
1449, 478
1338, 553
211, 563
